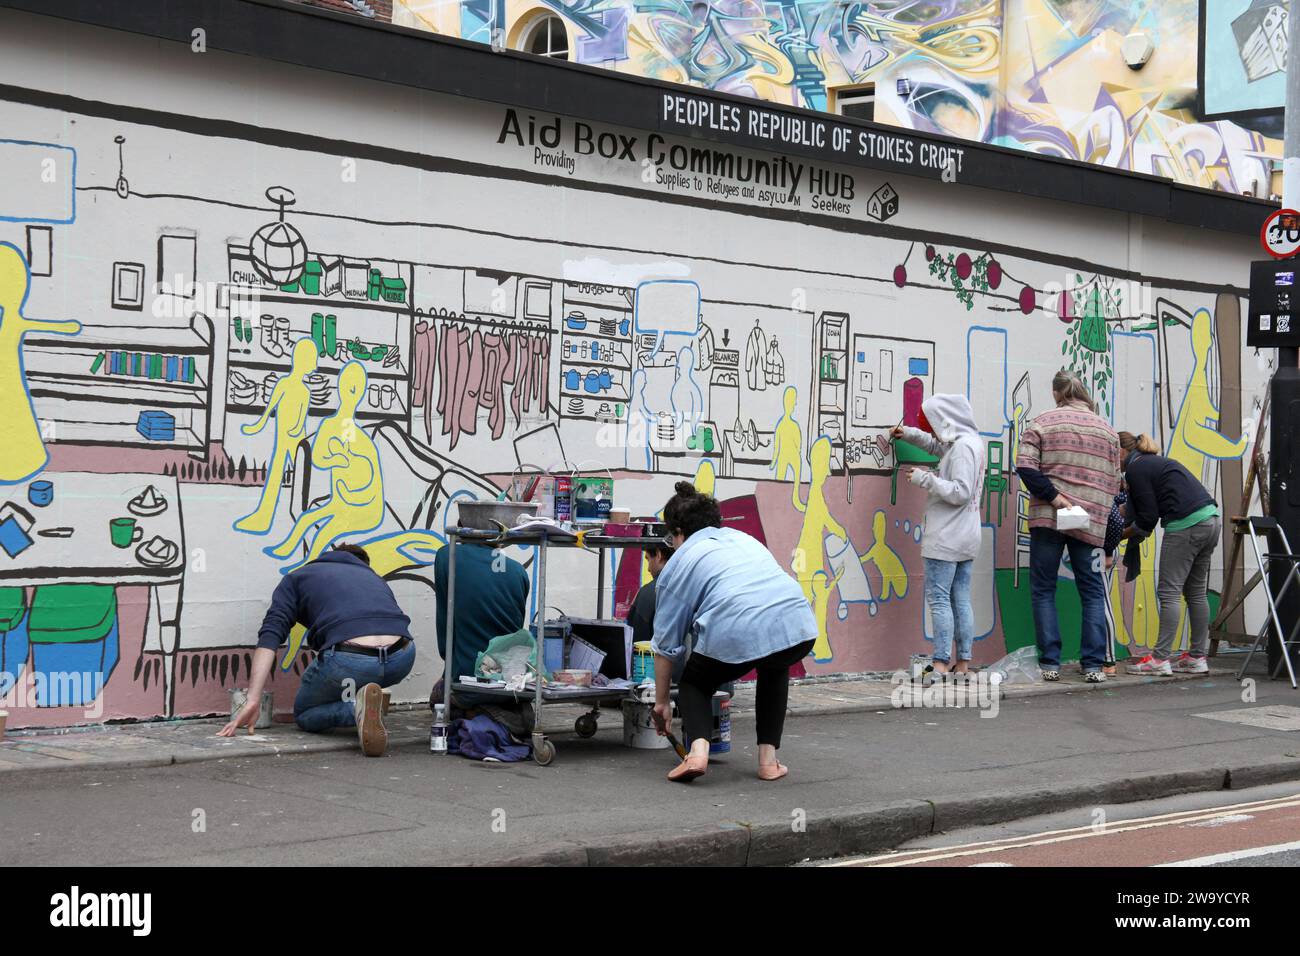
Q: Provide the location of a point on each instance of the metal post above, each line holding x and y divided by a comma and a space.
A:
1285, 388
541, 641
1291, 149
600, 583
448, 672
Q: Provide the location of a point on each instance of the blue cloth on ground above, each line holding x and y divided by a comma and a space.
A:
482, 738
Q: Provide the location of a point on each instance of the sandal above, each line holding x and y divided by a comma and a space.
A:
689, 769
772, 771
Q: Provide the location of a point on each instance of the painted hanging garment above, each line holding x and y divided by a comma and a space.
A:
474, 367
423, 375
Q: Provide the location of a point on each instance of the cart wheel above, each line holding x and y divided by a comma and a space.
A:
585, 726
545, 753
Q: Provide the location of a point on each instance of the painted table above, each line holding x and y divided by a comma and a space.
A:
81, 550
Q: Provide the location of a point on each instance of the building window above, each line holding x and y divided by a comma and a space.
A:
858, 102
546, 36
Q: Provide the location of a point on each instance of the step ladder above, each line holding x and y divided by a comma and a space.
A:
1256, 527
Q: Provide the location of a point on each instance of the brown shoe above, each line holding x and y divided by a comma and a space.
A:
370, 720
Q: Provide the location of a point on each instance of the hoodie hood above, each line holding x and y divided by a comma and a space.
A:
950, 416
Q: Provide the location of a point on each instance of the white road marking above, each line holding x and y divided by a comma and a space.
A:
1234, 855
934, 854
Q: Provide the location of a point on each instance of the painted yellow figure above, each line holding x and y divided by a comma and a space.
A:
341, 447
22, 452
1196, 433
289, 403
706, 478
810, 553
822, 586
1196, 438
787, 446
893, 576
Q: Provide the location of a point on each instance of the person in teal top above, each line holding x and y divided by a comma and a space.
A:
1161, 490
491, 600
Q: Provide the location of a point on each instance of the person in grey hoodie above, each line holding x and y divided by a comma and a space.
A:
952, 535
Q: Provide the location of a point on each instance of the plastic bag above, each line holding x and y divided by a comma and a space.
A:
1018, 667
509, 655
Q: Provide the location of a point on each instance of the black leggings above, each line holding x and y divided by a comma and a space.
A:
704, 675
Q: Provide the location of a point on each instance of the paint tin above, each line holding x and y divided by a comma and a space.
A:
556, 497
721, 742
639, 727
643, 662
239, 697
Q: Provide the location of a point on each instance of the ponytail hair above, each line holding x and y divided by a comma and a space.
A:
1069, 388
688, 511
1143, 443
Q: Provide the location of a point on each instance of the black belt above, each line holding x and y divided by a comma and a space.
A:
373, 651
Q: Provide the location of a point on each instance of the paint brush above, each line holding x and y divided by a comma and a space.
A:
677, 744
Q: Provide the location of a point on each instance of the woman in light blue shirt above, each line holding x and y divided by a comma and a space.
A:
745, 614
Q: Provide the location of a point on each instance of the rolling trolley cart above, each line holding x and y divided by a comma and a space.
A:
543, 541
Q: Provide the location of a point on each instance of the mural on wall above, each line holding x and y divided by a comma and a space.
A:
1244, 46
1041, 75
247, 382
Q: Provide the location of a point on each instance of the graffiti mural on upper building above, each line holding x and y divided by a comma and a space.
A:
1047, 76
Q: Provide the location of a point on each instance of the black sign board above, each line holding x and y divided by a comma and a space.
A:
1274, 304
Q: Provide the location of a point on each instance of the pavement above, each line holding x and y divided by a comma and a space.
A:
865, 777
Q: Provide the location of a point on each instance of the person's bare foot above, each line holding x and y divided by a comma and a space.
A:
772, 771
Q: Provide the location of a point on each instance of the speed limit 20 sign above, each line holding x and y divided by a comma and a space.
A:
1281, 234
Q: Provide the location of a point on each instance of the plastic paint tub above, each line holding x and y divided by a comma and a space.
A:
639, 727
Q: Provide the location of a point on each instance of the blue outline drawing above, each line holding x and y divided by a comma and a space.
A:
1006, 418
72, 189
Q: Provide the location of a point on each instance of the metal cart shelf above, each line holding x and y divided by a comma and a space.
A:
585, 726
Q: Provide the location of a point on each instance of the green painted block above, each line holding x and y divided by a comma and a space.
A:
12, 608
72, 613
1016, 610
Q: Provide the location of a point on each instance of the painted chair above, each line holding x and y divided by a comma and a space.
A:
13, 637
995, 481
73, 630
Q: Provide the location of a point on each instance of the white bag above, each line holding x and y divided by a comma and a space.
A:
1071, 519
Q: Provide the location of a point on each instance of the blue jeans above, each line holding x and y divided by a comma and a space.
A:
947, 593
320, 706
1088, 564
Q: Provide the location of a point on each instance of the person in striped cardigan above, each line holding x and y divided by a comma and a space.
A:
1069, 456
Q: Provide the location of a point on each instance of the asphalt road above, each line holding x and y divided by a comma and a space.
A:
413, 808
1258, 827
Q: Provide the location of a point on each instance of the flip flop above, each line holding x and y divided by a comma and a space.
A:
772, 771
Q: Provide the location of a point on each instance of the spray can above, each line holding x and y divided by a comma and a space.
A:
438, 732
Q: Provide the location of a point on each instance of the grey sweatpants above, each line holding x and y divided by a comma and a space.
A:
1185, 570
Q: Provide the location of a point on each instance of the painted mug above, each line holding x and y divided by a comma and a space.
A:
124, 532
40, 493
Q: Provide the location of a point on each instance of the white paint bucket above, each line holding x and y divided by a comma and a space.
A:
639, 727
239, 697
